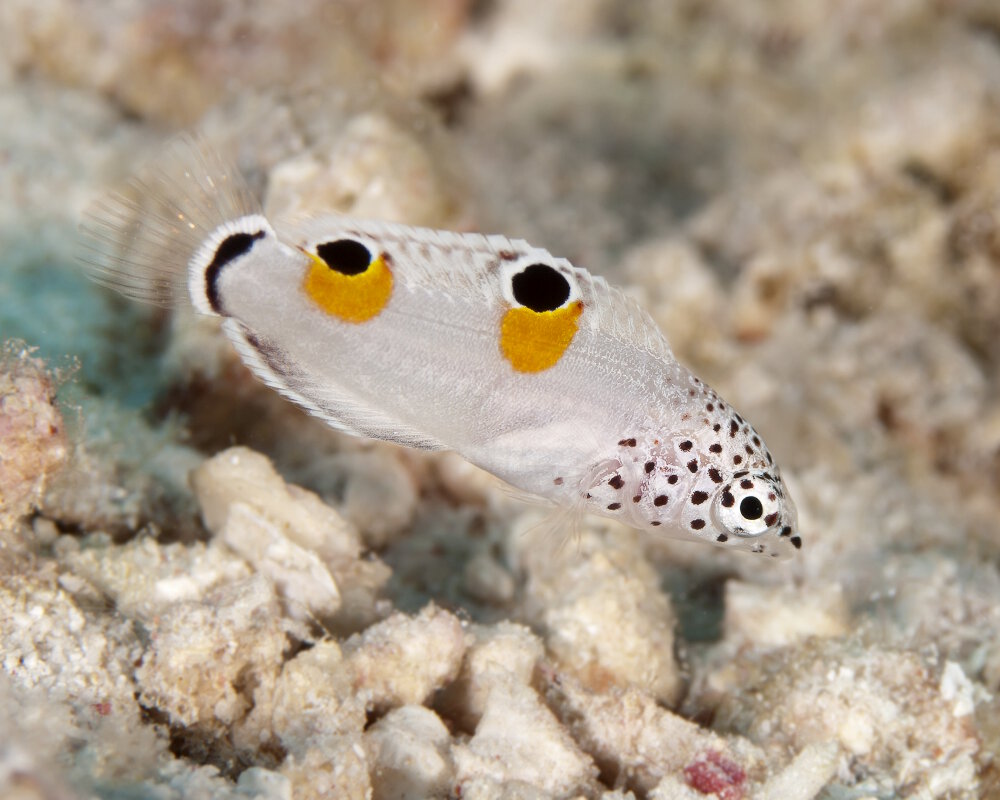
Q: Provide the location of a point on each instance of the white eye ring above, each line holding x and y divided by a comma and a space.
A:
539, 258
746, 509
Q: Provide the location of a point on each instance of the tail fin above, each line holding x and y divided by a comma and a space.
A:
140, 239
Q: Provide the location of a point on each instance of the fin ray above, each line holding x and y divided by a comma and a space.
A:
337, 409
139, 239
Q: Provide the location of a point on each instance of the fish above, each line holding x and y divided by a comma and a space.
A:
524, 364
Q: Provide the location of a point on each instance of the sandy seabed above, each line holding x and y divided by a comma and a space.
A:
207, 594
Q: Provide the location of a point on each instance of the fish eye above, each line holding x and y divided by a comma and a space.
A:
751, 507
748, 507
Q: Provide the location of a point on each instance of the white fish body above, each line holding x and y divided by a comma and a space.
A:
527, 366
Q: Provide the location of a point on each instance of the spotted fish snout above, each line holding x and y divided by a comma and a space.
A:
754, 506
701, 488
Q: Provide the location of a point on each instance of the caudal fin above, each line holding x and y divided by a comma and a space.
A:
141, 238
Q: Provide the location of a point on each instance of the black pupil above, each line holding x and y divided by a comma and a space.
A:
540, 288
345, 256
751, 508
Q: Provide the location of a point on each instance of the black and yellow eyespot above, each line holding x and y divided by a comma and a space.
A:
540, 288
346, 256
347, 281
537, 330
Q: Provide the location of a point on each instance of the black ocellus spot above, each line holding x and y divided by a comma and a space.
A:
346, 256
540, 287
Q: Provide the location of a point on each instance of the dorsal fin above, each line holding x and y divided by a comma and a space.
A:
465, 262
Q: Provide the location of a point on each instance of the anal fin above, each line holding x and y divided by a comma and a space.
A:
336, 408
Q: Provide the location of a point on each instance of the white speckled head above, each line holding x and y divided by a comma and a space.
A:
706, 474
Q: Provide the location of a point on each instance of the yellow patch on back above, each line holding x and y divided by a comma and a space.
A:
352, 298
533, 341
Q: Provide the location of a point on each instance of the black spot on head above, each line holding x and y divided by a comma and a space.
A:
655, 522
230, 248
507, 255
672, 480
710, 406
733, 428
770, 519
741, 473
786, 531
756, 440
737, 460
626, 442
693, 465
697, 524
751, 508
636, 498
617, 482
796, 542
699, 497
686, 445
660, 500
650, 466
715, 448
614, 506
558, 481
722, 538
346, 256
715, 475
540, 287
727, 499
717, 427
746, 483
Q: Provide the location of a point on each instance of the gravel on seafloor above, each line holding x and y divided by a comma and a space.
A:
204, 593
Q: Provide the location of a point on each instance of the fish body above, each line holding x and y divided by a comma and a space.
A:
526, 365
